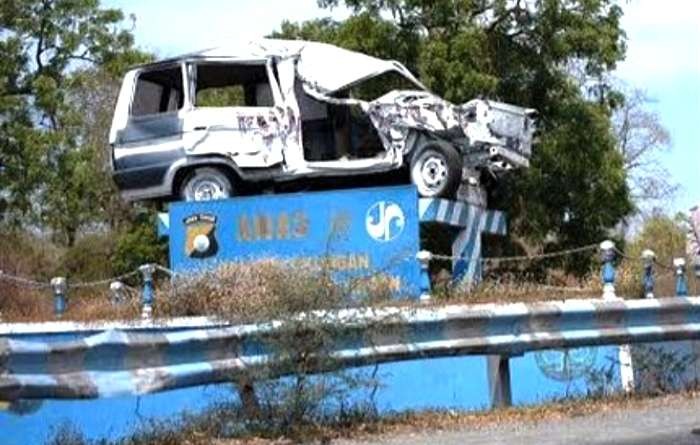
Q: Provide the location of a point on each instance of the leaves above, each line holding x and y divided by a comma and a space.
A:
59, 61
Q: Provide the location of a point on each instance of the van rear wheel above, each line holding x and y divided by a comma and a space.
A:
206, 184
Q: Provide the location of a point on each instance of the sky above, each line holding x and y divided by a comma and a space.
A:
663, 56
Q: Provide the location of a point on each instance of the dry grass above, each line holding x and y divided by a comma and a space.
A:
448, 420
36, 305
235, 292
250, 292
266, 289
505, 290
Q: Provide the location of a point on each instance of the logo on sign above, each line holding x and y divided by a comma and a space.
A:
385, 221
200, 236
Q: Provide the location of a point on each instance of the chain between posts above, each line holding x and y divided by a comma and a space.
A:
105, 281
27, 282
559, 253
643, 259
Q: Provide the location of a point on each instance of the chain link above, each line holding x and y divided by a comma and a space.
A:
27, 282
655, 261
103, 282
517, 258
165, 270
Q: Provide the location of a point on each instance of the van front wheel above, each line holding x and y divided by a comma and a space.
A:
206, 184
436, 171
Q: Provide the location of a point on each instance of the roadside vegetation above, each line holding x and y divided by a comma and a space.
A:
267, 289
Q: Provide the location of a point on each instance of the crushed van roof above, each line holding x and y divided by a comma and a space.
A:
325, 67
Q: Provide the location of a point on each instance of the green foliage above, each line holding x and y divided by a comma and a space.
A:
137, 245
523, 53
230, 96
89, 258
57, 57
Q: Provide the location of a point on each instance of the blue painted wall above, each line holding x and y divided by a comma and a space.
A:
361, 232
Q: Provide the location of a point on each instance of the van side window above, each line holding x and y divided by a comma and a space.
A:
233, 85
158, 91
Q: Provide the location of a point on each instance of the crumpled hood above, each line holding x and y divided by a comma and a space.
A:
414, 109
472, 125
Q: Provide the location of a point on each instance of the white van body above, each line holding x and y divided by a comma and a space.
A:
283, 111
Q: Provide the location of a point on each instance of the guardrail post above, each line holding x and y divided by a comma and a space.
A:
607, 254
424, 258
499, 381
116, 290
681, 282
648, 257
147, 295
59, 287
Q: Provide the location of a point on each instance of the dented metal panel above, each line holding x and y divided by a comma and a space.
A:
122, 362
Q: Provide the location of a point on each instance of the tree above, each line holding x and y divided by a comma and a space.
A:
47, 49
516, 51
641, 137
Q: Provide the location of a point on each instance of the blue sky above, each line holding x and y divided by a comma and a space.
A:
663, 56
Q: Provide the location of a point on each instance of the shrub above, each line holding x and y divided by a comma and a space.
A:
270, 290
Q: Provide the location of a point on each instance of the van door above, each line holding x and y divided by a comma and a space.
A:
237, 113
151, 139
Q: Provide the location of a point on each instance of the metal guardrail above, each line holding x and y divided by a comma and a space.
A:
120, 361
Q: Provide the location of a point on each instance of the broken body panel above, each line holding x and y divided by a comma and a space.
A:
279, 113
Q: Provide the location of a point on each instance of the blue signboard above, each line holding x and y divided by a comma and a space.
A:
354, 233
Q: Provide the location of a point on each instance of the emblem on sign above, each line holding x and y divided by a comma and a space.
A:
566, 364
385, 221
200, 236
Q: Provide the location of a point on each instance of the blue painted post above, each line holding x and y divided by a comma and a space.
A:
607, 254
147, 271
59, 287
648, 257
681, 282
424, 258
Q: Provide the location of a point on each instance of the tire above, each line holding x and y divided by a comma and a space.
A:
206, 184
436, 170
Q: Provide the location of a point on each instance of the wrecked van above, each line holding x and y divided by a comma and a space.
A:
209, 124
